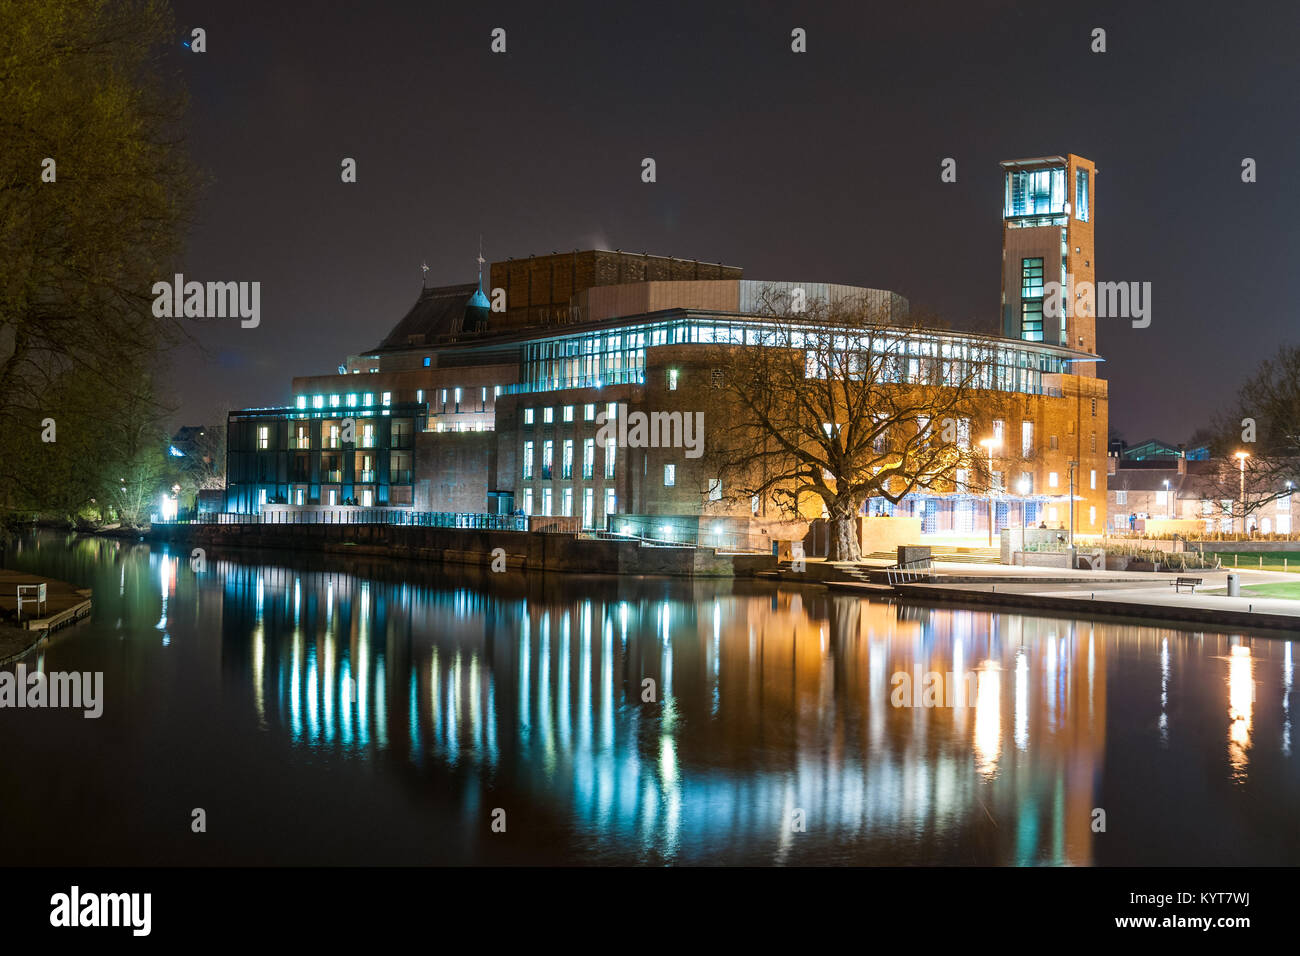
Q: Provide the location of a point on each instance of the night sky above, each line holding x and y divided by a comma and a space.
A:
821, 166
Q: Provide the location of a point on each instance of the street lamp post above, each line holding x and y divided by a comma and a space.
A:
990, 444
1023, 488
1241, 457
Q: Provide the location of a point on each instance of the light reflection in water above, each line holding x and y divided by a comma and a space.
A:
766, 704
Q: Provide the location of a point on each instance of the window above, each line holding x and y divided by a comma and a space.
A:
1121, 497
387, 398
334, 401
261, 496
611, 411
1053, 443
568, 413
548, 415
961, 479
370, 399
566, 467
610, 449
352, 400
588, 508
1081, 194
1283, 524
670, 475
1026, 439
999, 431
528, 416
298, 497
318, 401
1035, 192
368, 496
1284, 504
528, 461
367, 436
333, 440
1031, 299
1092, 476
528, 501
1161, 496
672, 380
567, 506
1092, 515
548, 458
546, 502
482, 399
427, 360
1053, 479
611, 502
589, 412
1092, 442
1026, 483
444, 400
263, 436
458, 399
334, 496
753, 504
302, 401
1094, 408
588, 457
715, 489
963, 433
717, 378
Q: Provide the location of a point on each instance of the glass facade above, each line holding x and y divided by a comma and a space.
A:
616, 356
1035, 192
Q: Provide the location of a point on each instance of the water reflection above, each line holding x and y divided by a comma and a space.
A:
664, 721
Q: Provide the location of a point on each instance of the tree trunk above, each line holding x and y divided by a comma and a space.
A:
844, 533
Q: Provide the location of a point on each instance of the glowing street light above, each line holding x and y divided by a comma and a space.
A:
1241, 457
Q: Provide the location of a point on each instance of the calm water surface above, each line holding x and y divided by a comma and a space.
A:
383, 714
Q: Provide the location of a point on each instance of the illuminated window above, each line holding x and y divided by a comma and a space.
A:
611, 502
566, 465
427, 361
588, 457
546, 502
318, 401
670, 475
548, 458
263, 436
1081, 194
568, 413
387, 398
1052, 479
334, 401
528, 501
548, 415
1092, 476
610, 451
567, 505
302, 401
528, 461
672, 379
715, 489
352, 400
589, 412
588, 508
1026, 439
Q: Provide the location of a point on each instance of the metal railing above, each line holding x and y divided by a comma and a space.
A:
910, 572
386, 516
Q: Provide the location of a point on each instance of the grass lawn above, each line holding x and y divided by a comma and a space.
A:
1280, 589
1272, 560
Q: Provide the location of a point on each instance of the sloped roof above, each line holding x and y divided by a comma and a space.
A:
441, 314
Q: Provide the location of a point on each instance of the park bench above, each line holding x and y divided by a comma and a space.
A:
1181, 582
32, 594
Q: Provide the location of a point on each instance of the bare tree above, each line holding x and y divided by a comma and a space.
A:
1263, 422
833, 405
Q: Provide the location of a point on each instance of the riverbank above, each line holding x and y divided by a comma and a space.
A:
64, 604
1140, 596
498, 550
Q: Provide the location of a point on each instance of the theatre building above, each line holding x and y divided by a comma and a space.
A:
489, 397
